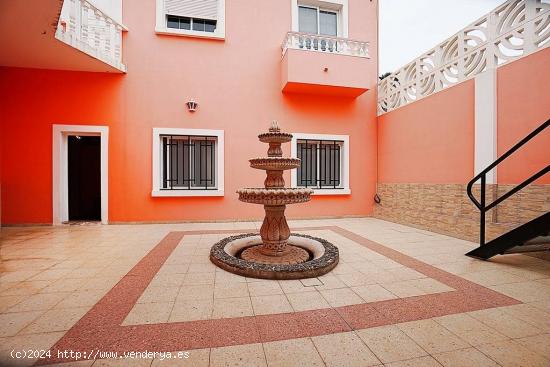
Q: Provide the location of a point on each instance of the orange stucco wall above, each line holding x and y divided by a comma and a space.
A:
523, 105
237, 84
429, 141
432, 140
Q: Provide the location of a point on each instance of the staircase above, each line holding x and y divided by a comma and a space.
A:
531, 236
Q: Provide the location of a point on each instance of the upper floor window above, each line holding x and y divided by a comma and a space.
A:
195, 18
327, 17
315, 20
196, 24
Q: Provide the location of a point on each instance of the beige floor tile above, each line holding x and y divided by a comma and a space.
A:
344, 350
81, 299
191, 310
355, 279
25, 288
330, 281
38, 302
195, 292
505, 323
231, 290
226, 277
493, 277
199, 279
390, 344
195, 358
530, 314
292, 352
525, 291
294, 286
404, 288
373, 293
469, 357
167, 281
202, 268
12, 323
416, 362
159, 294
508, 353
64, 285
248, 355
9, 301
264, 288
264, 305
539, 344
148, 313
56, 319
432, 337
470, 329
431, 286
341, 297
307, 301
232, 307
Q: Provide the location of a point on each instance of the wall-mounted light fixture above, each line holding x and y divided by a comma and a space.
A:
192, 105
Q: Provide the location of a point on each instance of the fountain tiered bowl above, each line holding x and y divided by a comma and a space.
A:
275, 253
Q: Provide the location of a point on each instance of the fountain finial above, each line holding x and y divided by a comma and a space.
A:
274, 127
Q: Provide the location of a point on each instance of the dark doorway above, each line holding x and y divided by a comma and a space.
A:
84, 170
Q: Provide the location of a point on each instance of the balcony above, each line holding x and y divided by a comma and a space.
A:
60, 35
88, 29
317, 64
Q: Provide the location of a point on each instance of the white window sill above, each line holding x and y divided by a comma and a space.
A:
190, 33
186, 193
320, 192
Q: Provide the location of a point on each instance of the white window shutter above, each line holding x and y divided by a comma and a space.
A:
205, 9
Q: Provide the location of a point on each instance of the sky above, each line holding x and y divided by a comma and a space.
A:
408, 28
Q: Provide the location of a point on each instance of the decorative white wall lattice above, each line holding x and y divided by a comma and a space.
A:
515, 29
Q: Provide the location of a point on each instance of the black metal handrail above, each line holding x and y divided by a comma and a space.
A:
483, 208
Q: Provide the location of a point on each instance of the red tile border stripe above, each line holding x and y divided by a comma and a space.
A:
101, 328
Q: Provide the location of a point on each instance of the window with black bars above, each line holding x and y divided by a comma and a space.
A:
188, 162
321, 164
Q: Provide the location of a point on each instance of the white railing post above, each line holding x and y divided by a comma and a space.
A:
326, 44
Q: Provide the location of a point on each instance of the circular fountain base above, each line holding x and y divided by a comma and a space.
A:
306, 257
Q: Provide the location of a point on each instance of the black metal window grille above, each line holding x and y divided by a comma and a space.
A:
188, 162
321, 164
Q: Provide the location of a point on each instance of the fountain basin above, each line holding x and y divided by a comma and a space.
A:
274, 196
275, 137
274, 163
227, 255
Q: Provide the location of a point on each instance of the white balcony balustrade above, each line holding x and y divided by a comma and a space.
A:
327, 44
515, 29
87, 28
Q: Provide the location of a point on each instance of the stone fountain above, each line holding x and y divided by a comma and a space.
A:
275, 253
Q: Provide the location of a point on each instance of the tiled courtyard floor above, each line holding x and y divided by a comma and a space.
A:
399, 297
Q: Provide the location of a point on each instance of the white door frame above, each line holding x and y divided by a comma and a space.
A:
60, 185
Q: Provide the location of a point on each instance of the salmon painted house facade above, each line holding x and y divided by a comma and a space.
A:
148, 111
174, 93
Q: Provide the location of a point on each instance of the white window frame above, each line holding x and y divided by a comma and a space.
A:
60, 178
157, 162
162, 28
345, 189
338, 6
